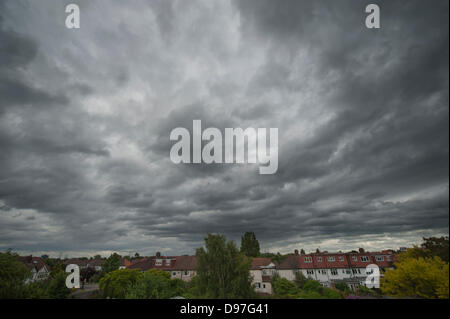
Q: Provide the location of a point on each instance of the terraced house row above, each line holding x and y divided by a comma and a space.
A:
327, 268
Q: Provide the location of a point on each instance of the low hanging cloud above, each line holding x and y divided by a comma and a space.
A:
86, 114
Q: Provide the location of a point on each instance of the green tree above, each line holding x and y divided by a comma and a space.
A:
417, 277
87, 273
341, 286
300, 279
57, 288
192, 290
250, 245
116, 283
36, 290
311, 289
13, 274
111, 263
155, 284
312, 285
222, 271
437, 246
57, 268
278, 258
284, 288
329, 293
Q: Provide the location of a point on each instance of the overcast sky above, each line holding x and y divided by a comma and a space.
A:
86, 114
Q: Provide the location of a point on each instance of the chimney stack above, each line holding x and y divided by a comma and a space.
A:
361, 250
296, 252
158, 254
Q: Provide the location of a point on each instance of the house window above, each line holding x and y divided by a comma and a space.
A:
341, 258
167, 262
355, 258
379, 258
310, 272
334, 272
308, 259
354, 271
369, 271
343, 271
331, 259
174, 273
324, 272
158, 262
258, 285
319, 259
264, 286
186, 273
365, 259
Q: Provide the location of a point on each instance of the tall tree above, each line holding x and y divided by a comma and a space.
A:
111, 263
57, 288
13, 274
222, 271
250, 245
437, 246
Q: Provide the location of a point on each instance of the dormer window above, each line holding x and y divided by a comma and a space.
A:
331, 259
365, 259
158, 262
308, 259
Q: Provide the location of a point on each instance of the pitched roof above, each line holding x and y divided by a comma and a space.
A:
142, 264
84, 262
185, 263
259, 262
337, 260
290, 262
33, 262
174, 263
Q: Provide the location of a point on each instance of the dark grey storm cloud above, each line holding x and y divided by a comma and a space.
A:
86, 114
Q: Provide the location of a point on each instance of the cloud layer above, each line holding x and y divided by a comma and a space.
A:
85, 118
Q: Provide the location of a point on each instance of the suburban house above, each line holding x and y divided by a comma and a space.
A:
95, 263
181, 267
184, 268
38, 268
261, 270
331, 268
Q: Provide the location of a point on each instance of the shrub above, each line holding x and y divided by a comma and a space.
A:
116, 283
155, 284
